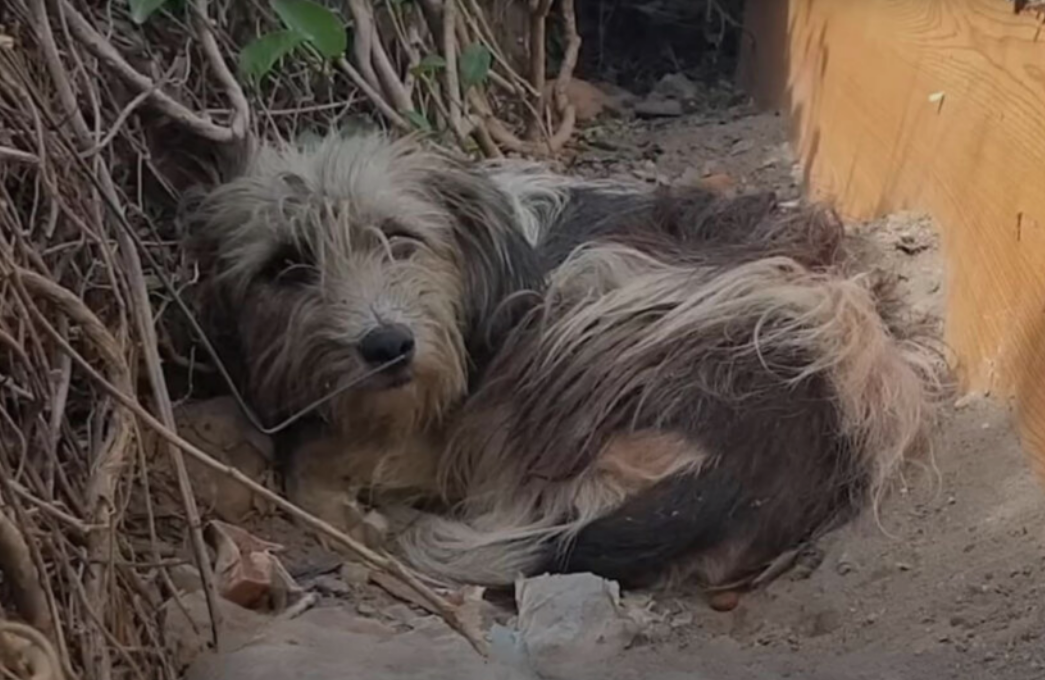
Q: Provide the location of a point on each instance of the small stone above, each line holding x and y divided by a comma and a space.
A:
690, 178
400, 613
364, 609
682, 620
332, 586
375, 529
588, 101
677, 86
354, 573
659, 108
742, 146
720, 183
724, 601
844, 566
186, 578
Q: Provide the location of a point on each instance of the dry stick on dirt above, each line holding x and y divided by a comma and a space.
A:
101, 489
72, 306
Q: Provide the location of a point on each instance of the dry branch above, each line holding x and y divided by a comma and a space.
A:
85, 102
72, 306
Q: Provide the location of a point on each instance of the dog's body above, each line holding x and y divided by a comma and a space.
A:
593, 377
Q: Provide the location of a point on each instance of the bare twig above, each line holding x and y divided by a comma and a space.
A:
453, 85
101, 488
372, 94
17, 156
103, 50
241, 119
362, 45
539, 10
562, 82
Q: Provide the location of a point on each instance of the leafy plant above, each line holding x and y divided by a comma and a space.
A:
260, 56
141, 10
306, 22
474, 66
430, 64
315, 23
419, 121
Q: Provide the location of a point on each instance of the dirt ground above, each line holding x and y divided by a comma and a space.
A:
946, 583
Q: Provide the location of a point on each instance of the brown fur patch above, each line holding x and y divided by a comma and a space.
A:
634, 462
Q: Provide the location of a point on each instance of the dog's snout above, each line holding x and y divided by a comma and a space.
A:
387, 343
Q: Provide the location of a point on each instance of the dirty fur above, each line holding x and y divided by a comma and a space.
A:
606, 378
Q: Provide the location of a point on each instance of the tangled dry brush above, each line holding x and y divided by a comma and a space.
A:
106, 110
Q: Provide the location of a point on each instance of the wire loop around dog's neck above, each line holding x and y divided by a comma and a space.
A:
319, 402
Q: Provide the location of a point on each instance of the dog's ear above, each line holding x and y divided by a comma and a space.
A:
501, 270
204, 169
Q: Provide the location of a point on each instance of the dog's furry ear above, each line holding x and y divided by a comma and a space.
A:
202, 237
498, 264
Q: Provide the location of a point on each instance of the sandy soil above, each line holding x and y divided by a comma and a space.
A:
948, 582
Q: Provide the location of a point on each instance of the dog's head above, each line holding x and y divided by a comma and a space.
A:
359, 259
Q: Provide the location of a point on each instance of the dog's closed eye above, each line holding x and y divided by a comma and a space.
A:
290, 264
402, 243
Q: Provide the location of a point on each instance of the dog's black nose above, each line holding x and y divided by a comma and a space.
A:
386, 343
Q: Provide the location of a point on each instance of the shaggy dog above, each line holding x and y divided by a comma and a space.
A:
588, 376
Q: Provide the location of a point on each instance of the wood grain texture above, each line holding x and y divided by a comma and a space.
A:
938, 106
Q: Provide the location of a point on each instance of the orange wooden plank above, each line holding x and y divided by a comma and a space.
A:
934, 105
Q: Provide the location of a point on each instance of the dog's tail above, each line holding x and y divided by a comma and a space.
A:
492, 550
678, 516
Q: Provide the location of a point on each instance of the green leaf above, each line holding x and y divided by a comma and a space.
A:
430, 64
321, 27
475, 65
141, 10
418, 120
258, 58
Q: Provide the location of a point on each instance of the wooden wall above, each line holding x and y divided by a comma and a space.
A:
939, 106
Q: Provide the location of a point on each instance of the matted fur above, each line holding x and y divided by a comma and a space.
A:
302, 257
606, 378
